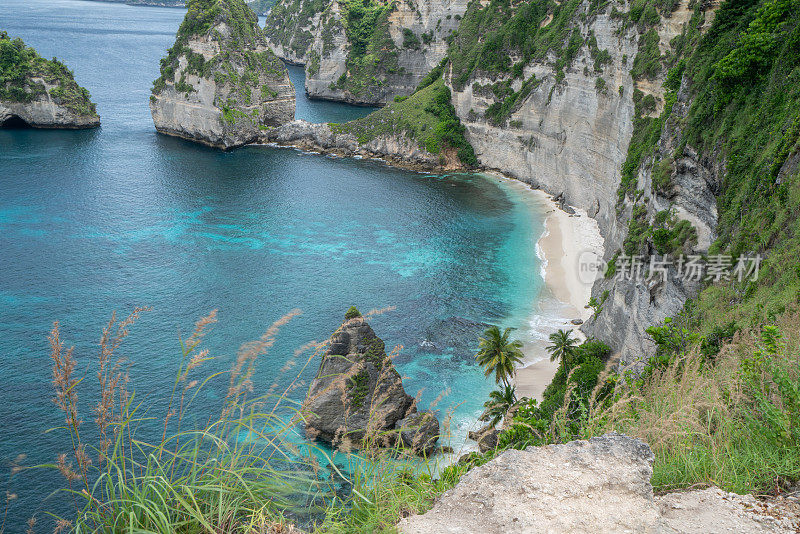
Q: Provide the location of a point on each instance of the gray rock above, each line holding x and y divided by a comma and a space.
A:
358, 395
224, 86
313, 33
419, 432
486, 438
599, 485
577, 322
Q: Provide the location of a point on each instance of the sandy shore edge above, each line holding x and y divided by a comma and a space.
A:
568, 241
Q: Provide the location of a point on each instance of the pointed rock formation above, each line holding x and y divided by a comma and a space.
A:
358, 396
220, 84
40, 93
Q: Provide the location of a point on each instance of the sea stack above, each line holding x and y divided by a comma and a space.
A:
357, 398
40, 93
220, 84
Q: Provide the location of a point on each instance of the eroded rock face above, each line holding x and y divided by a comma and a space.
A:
358, 394
407, 40
599, 485
220, 83
40, 93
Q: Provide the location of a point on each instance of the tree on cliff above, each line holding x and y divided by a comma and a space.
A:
563, 347
499, 354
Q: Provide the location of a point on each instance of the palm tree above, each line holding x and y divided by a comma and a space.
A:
563, 346
500, 401
499, 354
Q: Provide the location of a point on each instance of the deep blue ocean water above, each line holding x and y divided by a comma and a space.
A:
109, 219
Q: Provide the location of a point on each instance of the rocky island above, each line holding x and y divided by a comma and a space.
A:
40, 93
357, 398
220, 84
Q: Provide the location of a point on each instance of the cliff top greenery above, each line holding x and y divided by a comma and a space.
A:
427, 116
205, 18
20, 65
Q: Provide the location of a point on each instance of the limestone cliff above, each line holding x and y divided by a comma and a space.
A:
39, 93
559, 111
363, 52
220, 84
357, 397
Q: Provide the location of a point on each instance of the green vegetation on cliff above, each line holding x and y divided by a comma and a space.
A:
25, 76
372, 54
489, 36
427, 116
289, 24
201, 17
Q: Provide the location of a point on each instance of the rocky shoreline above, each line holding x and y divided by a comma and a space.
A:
396, 150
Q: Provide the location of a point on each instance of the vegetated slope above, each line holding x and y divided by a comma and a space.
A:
420, 132
40, 92
220, 84
718, 402
426, 116
363, 51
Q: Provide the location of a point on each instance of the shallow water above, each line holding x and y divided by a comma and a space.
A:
104, 220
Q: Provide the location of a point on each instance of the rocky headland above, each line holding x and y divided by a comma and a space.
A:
220, 84
40, 93
357, 398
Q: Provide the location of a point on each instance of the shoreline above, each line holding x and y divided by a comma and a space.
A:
566, 241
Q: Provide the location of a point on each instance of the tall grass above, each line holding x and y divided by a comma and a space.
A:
246, 470
731, 421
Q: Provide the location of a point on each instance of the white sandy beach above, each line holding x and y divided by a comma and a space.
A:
567, 241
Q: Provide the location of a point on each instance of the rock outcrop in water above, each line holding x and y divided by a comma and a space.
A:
363, 51
40, 93
220, 84
597, 486
357, 397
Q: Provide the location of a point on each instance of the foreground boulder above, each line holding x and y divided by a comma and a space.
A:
40, 93
597, 486
600, 485
220, 84
357, 398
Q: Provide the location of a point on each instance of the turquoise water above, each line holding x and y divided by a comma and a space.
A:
104, 220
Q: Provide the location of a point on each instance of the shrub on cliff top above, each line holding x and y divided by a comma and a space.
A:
352, 313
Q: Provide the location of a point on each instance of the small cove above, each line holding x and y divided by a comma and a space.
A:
110, 219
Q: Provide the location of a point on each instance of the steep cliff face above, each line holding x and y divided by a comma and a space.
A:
220, 84
560, 111
363, 52
675, 183
39, 93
